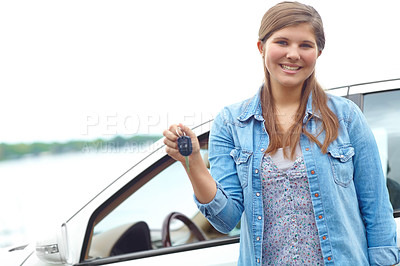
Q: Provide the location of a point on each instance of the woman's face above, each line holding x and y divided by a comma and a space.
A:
290, 55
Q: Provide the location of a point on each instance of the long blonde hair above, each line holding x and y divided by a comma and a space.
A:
278, 17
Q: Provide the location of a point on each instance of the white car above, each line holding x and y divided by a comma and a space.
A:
140, 220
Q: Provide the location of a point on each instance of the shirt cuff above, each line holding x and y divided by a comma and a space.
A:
383, 255
216, 205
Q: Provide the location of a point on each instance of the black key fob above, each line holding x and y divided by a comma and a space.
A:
185, 145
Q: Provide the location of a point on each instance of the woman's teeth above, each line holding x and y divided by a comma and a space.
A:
290, 68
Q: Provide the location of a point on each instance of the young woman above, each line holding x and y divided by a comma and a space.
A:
300, 168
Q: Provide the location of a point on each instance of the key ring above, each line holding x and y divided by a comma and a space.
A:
177, 132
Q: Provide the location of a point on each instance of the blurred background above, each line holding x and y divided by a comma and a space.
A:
87, 85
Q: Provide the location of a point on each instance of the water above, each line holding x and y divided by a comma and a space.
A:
37, 191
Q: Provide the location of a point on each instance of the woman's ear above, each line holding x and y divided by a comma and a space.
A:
260, 46
319, 53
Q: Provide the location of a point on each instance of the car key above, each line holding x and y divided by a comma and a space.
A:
185, 147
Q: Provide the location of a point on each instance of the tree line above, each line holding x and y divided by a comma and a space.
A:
21, 150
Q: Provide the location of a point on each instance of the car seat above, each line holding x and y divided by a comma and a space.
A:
135, 238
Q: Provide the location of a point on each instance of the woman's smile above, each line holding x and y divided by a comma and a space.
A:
290, 68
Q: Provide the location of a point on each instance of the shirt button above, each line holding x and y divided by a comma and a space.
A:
258, 194
307, 149
341, 156
259, 217
324, 237
256, 171
329, 258
320, 217
312, 172
258, 238
316, 195
258, 260
262, 150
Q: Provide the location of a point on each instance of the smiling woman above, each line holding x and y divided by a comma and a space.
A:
291, 160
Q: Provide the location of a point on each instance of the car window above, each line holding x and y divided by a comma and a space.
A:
383, 115
153, 201
136, 222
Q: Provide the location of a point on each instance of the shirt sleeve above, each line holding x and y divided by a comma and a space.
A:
372, 193
225, 210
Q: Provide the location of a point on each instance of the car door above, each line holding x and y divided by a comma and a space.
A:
382, 111
131, 225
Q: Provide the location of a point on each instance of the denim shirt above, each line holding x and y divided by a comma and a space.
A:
352, 210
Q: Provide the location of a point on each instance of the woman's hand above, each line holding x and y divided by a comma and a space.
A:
172, 134
203, 184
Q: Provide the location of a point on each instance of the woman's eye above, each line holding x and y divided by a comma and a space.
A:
282, 42
306, 45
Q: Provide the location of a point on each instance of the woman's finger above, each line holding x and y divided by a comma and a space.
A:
171, 143
170, 135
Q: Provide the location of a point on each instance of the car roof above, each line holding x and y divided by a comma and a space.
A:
367, 87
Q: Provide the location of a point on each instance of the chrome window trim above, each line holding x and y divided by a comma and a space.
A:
367, 87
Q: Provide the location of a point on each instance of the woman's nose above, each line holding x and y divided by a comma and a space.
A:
293, 53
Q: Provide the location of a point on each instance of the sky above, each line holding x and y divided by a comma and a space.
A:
84, 69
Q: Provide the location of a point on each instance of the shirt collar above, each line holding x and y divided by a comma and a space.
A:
253, 108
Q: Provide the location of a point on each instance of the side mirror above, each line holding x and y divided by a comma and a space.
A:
54, 248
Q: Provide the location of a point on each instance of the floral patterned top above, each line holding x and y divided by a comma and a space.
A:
290, 233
